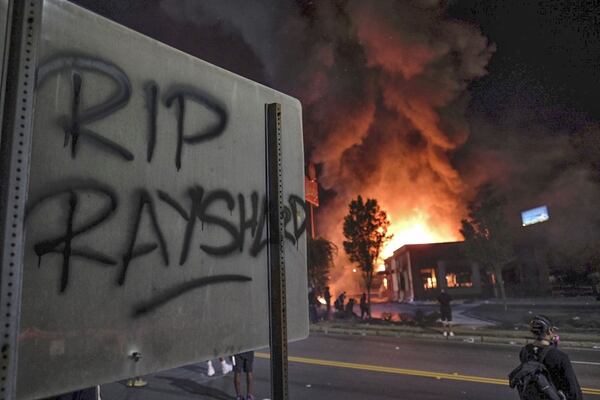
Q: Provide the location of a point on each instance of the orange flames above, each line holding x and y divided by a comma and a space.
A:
416, 230
393, 139
383, 86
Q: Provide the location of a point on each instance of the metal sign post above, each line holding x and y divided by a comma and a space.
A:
19, 56
276, 259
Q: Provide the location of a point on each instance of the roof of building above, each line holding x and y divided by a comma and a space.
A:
445, 250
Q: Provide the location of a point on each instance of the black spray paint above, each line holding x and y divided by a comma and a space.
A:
171, 294
180, 95
74, 125
72, 231
201, 204
133, 251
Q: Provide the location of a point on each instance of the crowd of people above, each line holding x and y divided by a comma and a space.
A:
342, 308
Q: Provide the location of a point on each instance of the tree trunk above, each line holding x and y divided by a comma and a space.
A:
500, 282
369, 283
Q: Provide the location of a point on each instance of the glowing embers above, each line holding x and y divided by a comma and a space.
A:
428, 278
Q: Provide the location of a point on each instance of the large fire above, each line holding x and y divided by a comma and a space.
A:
383, 86
414, 231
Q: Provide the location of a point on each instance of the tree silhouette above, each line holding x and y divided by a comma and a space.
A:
320, 259
487, 235
365, 230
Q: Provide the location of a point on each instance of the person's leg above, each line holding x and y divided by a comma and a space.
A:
248, 368
236, 383
249, 385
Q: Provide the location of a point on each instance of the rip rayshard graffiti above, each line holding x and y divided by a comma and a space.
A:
74, 126
244, 228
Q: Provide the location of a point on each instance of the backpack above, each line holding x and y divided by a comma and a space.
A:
533, 381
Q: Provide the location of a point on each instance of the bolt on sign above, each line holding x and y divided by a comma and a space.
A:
145, 219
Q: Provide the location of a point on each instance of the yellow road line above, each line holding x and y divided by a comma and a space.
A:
403, 371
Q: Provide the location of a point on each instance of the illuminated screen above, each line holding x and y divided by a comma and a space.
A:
535, 215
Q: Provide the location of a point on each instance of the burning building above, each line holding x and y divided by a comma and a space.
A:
420, 271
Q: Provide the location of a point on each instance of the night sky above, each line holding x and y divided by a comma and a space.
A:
547, 59
510, 91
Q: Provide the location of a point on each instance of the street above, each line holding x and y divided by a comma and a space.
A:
375, 368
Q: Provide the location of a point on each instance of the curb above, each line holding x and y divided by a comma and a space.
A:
460, 337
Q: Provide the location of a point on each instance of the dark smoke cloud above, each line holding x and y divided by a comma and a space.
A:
534, 164
383, 86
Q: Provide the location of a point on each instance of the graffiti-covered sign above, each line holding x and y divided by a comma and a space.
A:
146, 215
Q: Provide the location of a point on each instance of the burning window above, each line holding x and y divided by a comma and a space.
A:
428, 278
459, 277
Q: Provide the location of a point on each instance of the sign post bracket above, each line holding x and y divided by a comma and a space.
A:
18, 82
276, 258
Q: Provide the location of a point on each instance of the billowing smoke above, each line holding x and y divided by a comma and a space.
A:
383, 86
533, 163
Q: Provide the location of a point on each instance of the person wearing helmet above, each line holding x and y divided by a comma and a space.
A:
556, 362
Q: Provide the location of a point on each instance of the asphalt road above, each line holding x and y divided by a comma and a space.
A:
373, 368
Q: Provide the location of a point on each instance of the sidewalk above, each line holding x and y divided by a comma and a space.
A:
468, 326
410, 309
189, 382
470, 334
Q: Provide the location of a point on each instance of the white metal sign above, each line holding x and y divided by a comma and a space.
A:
145, 220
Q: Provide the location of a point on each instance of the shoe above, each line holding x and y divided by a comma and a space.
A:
451, 333
249, 397
445, 333
239, 397
211, 370
136, 383
226, 367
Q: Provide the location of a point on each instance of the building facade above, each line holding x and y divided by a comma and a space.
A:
420, 271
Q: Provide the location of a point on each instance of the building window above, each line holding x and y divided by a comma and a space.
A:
459, 277
428, 278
